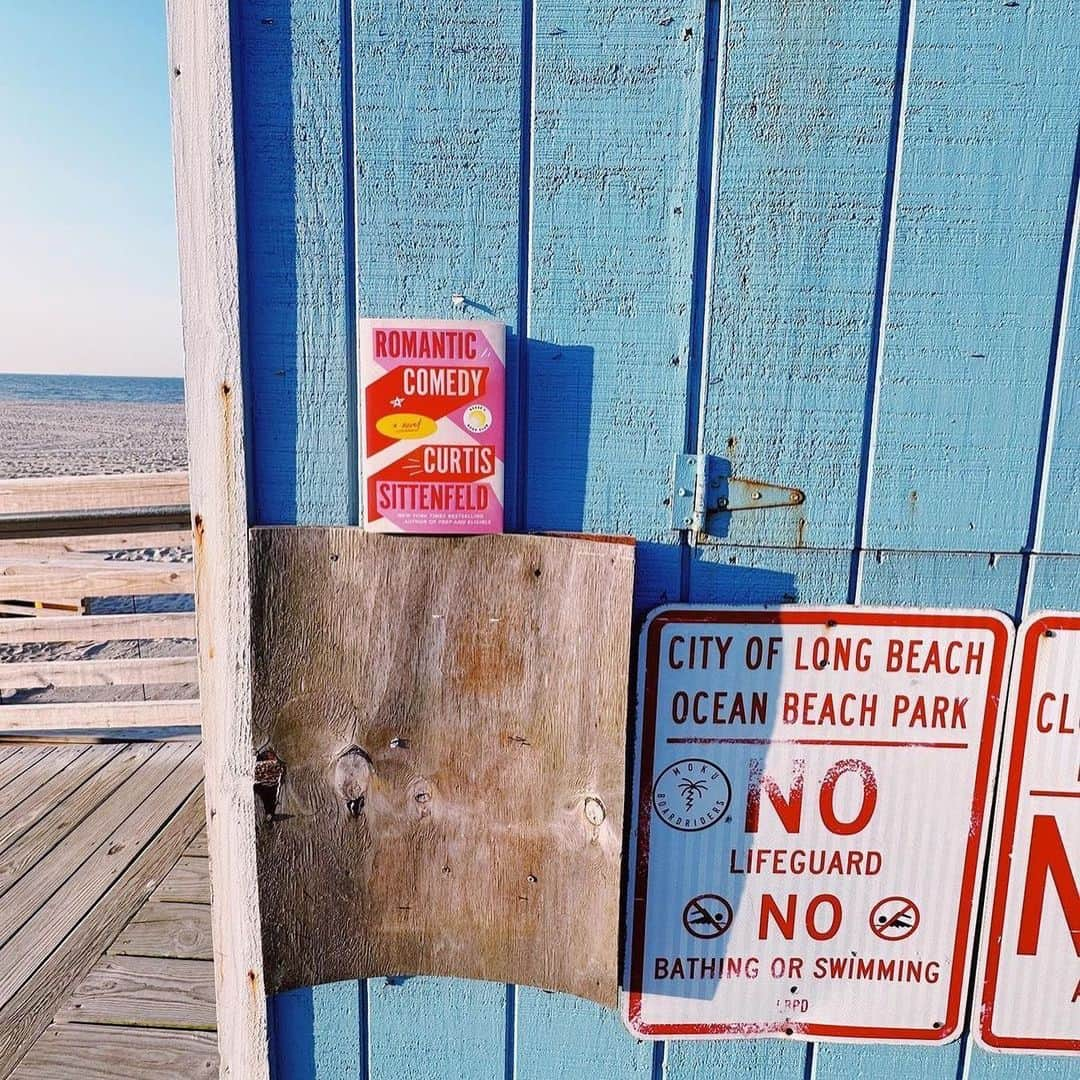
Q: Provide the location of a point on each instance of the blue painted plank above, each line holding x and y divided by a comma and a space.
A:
942, 579
428, 1029
1057, 525
566, 1038
986, 170
437, 146
617, 97
314, 1033
299, 389
803, 173
613, 184
1054, 583
926, 579
730, 575
295, 240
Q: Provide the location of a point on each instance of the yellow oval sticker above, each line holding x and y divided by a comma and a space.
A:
405, 425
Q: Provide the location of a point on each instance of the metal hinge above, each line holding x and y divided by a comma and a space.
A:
703, 491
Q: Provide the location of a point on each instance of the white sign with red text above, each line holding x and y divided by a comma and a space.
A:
1029, 975
810, 789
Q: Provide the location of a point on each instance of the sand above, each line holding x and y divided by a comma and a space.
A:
46, 439
80, 439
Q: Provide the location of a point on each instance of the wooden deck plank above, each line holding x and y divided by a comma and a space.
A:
95, 628
50, 769
23, 758
43, 906
43, 769
142, 671
50, 795
34, 844
188, 882
31, 1009
17, 812
100, 1052
99, 715
181, 931
145, 991
198, 846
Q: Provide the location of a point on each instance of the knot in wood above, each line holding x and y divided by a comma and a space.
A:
594, 811
269, 772
352, 775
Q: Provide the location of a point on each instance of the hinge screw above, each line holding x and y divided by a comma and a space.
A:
683, 493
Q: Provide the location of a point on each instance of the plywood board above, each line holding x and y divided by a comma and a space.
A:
450, 721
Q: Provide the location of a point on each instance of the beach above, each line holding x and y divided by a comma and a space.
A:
80, 438
79, 427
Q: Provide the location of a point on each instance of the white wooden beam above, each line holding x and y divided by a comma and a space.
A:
98, 716
97, 628
200, 70
137, 671
85, 494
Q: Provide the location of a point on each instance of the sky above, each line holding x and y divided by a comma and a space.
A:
88, 274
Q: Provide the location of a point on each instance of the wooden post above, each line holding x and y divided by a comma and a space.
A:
200, 69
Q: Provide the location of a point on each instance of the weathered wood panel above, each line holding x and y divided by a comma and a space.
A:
421, 708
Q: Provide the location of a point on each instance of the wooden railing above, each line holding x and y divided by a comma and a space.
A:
57, 539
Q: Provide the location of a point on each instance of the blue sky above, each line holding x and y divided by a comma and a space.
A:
87, 235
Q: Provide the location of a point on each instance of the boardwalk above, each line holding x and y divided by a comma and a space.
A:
105, 964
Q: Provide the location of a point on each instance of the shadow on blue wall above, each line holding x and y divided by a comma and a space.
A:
550, 401
269, 252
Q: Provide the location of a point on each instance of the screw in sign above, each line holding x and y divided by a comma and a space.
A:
792, 765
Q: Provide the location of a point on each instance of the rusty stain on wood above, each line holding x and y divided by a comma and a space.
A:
454, 728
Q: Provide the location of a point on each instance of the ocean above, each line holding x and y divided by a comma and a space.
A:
59, 389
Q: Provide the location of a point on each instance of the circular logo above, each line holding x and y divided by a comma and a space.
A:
894, 918
478, 418
707, 916
692, 794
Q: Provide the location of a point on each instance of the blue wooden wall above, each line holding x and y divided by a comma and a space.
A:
831, 242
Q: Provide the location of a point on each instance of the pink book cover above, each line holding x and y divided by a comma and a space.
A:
433, 425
